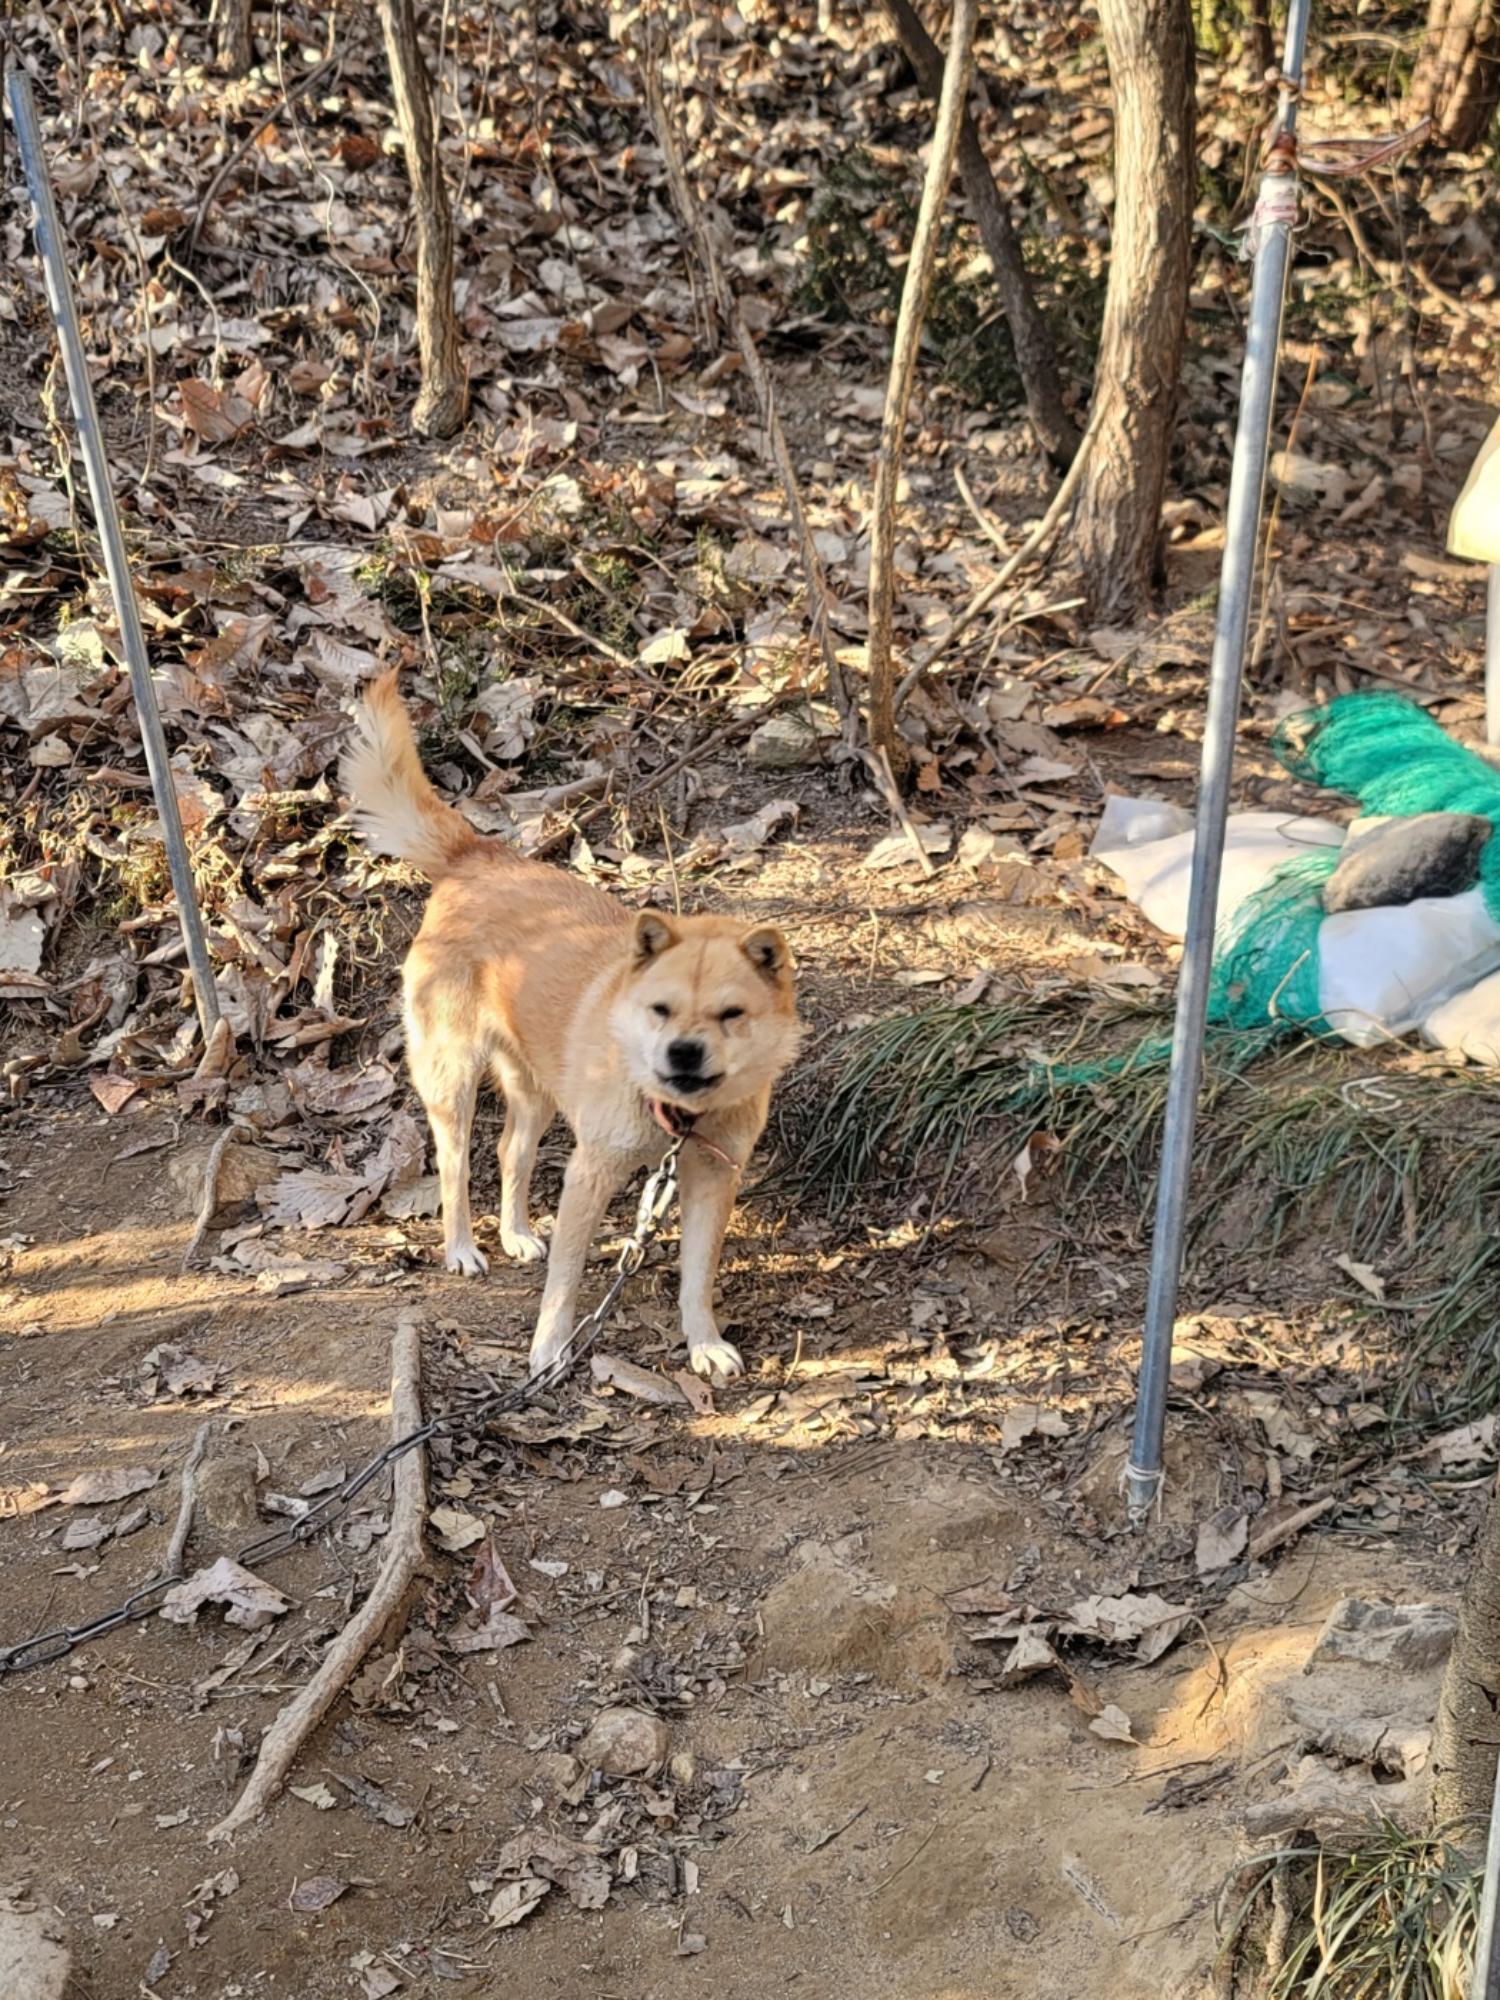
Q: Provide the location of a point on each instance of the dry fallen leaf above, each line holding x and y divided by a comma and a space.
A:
1364, 1275
516, 1901
250, 1601
1113, 1724
1222, 1539
316, 1893
98, 1489
499, 1630
455, 1529
1144, 1621
613, 1372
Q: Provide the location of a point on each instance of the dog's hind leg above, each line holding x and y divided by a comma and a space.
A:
528, 1113
447, 1082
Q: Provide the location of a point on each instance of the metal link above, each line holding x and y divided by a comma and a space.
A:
651, 1210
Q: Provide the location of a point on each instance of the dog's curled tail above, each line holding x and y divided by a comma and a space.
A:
395, 808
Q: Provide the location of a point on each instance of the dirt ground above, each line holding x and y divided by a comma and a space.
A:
847, 1798
807, 1594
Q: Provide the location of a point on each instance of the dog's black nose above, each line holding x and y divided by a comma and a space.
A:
685, 1057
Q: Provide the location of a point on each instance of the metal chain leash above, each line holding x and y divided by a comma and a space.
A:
651, 1210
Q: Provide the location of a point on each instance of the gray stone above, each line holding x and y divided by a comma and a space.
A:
33, 1965
799, 736
1430, 854
1414, 1637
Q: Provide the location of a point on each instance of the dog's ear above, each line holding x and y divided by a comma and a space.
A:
767, 951
653, 936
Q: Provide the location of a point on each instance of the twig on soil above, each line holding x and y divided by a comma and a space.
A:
987, 525
232, 159
902, 1867
890, 791
400, 1564
714, 741
210, 1197
1040, 535
827, 1839
591, 639
183, 1527
732, 317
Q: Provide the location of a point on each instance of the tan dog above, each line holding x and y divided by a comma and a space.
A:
627, 1026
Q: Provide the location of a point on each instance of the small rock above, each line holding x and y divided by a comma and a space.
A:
242, 1169
1411, 1636
624, 1741
1328, 1801
227, 1509
560, 1776
33, 1965
1429, 854
782, 742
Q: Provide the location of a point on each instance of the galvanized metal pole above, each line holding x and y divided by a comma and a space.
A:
53, 253
1485, 1984
1275, 215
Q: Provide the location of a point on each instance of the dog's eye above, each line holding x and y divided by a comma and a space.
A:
732, 1014
661, 1010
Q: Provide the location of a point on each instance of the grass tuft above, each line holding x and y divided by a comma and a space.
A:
1394, 1917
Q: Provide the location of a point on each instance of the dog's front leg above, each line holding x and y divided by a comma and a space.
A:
708, 1190
591, 1181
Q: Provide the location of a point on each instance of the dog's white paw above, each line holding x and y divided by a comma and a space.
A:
468, 1260
523, 1245
716, 1359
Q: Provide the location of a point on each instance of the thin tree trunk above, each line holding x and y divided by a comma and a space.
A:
1117, 522
444, 396
1035, 356
233, 49
1466, 1735
1457, 79
914, 296
1260, 42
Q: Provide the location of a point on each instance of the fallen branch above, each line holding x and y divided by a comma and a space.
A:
183, 1526
210, 1198
731, 315
741, 726
915, 291
232, 159
1040, 535
402, 1559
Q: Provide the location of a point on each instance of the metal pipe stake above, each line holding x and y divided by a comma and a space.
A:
1274, 217
53, 253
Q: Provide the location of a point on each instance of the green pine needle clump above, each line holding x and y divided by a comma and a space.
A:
1394, 1918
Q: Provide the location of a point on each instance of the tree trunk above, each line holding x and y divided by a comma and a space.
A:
1466, 1735
1035, 358
444, 396
1260, 42
914, 296
233, 49
1457, 79
1117, 521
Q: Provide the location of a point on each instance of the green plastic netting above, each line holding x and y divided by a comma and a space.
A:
1391, 758
1388, 754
